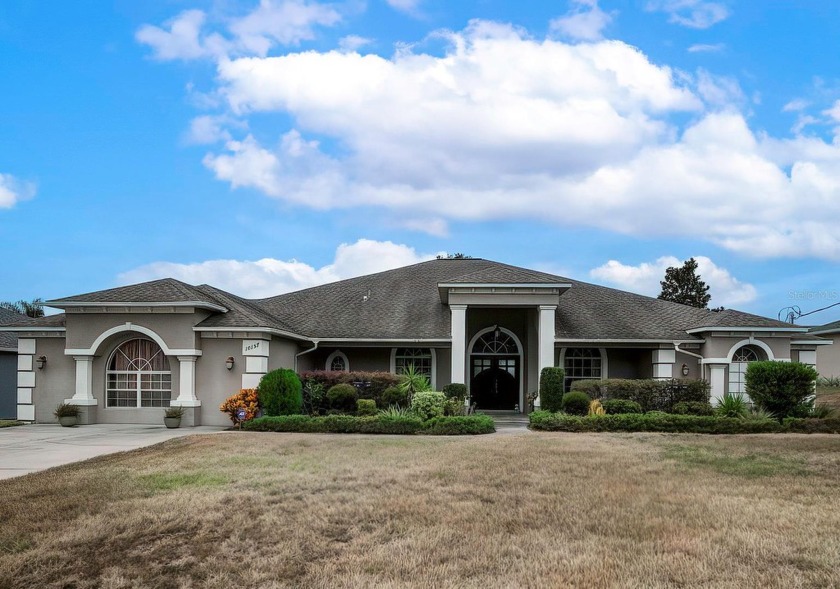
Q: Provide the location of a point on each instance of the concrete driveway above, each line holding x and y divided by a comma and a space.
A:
30, 448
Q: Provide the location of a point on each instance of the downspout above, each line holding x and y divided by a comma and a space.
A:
692, 354
312, 349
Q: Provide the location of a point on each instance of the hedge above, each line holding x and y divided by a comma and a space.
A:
280, 392
379, 424
664, 422
371, 384
651, 394
780, 387
551, 388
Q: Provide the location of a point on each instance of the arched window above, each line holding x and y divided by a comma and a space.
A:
337, 361
738, 368
495, 342
420, 358
138, 376
582, 364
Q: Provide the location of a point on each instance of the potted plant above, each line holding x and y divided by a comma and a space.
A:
68, 415
172, 417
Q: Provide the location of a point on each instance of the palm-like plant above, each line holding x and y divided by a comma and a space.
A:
732, 405
413, 381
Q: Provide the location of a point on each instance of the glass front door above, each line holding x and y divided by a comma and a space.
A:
494, 382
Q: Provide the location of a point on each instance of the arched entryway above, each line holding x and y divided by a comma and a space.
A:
496, 369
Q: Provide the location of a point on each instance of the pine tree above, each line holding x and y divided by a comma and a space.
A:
35, 308
683, 285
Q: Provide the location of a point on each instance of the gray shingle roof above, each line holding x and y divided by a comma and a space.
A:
733, 318
8, 340
827, 328
166, 290
241, 312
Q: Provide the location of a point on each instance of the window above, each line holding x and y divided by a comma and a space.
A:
337, 362
738, 368
495, 342
581, 364
420, 358
138, 376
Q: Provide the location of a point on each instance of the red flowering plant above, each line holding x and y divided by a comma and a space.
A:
245, 399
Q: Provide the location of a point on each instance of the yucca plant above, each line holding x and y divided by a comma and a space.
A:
413, 381
822, 411
757, 413
732, 405
395, 411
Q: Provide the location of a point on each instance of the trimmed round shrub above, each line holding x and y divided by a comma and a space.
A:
454, 407
576, 403
343, 397
280, 392
693, 408
551, 389
366, 407
394, 396
780, 387
456, 390
428, 404
620, 407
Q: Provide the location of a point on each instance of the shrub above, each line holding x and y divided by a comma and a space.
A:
595, 408
343, 397
551, 388
463, 425
428, 404
822, 411
413, 381
382, 423
650, 394
732, 405
811, 426
371, 385
174, 412
655, 421
576, 403
780, 387
395, 411
314, 397
693, 408
246, 399
619, 406
365, 407
456, 390
454, 407
280, 392
394, 396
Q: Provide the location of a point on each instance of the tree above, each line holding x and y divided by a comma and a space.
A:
457, 256
683, 285
33, 308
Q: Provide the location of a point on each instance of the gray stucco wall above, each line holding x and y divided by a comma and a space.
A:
174, 328
56, 382
828, 357
719, 346
8, 385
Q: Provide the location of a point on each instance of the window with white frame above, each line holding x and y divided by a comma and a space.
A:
337, 362
138, 376
738, 367
582, 364
420, 358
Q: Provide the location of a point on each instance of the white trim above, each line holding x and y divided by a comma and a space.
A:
433, 379
822, 331
504, 285
583, 342
28, 329
750, 342
131, 327
383, 340
269, 330
520, 350
333, 356
196, 304
810, 342
747, 329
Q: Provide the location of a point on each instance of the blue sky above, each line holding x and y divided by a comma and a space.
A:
267, 146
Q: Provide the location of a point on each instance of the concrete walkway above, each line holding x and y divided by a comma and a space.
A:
30, 448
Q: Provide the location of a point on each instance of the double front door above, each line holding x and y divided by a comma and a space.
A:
494, 382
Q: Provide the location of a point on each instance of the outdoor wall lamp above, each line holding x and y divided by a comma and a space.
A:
685, 369
40, 362
229, 363
497, 333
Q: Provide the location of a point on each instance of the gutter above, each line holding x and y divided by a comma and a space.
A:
312, 349
699, 357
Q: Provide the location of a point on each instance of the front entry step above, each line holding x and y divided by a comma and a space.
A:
508, 419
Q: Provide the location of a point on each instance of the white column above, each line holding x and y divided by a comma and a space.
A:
459, 343
256, 354
26, 380
186, 386
717, 380
663, 364
84, 382
546, 341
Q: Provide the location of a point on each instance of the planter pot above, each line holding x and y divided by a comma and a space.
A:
68, 421
172, 422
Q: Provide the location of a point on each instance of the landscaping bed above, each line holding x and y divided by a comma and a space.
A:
374, 424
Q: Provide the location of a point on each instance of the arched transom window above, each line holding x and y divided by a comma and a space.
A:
138, 376
337, 362
582, 364
495, 342
738, 368
420, 358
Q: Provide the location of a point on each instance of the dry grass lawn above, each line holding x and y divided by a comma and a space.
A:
529, 510
829, 395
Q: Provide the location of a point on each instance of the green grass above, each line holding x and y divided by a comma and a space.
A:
10, 422
744, 465
165, 481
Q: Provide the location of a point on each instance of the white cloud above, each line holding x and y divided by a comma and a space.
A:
407, 6
268, 276
834, 112
352, 43
585, 21
796, 105
271, 23
695, 14
707, 48
718, 90
208, 129
644, 279
13, 190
